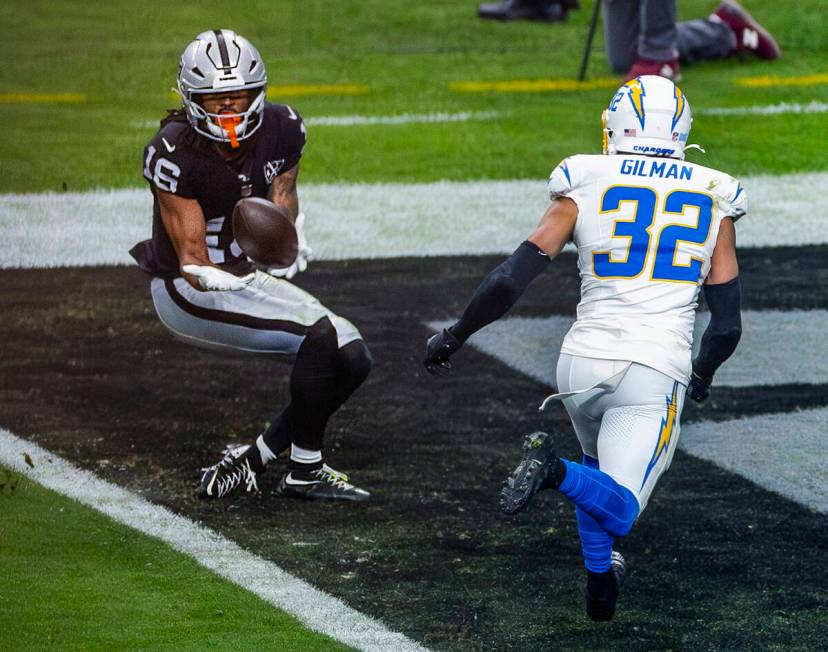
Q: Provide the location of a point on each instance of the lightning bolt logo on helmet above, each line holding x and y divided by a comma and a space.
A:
636, 95
679, 107
647, 116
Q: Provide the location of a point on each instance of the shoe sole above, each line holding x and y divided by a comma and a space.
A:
283, 490
527, 478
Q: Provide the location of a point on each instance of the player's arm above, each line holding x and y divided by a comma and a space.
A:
184, 221
282, 192
505, 284
723, 294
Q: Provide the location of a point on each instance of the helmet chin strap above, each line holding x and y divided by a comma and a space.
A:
695, 146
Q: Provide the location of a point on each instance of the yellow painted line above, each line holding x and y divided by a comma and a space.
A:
42, 98
532, 85
276, 92
773, 80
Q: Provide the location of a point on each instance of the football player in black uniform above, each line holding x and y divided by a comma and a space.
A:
226, 142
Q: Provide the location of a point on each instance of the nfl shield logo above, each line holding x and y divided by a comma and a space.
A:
272, 168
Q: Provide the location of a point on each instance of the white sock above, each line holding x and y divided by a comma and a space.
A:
304, 456
266, 454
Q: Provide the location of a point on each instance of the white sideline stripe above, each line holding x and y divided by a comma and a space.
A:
785, 453
313, 608
383, 220
767, 109
360, 120
531, 345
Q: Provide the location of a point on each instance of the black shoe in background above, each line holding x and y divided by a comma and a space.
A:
546, 10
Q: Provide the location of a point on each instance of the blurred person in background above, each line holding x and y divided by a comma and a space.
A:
642, 37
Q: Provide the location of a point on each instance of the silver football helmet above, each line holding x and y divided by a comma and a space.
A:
221, 61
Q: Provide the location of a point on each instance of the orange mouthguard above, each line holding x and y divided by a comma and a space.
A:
229, 125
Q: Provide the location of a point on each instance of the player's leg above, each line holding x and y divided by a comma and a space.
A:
622, 23
274, 316
603, 509
639, 434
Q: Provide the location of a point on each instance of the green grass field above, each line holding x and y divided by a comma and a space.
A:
73, 579
123, 58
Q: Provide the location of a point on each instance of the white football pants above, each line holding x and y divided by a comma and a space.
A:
626, 415
271, 315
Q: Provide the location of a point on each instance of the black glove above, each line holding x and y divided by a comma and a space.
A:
439, 349
699, 388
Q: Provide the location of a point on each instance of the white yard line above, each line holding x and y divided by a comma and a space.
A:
404, 118
767, 109
380, 220
314, 608
367, 120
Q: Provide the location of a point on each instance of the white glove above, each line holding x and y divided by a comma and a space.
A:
303, 255
213, 278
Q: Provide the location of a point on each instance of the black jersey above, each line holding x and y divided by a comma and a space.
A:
180, 161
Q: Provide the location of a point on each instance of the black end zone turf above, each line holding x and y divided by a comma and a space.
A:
719, 563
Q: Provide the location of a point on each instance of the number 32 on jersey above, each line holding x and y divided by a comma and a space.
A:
665, 243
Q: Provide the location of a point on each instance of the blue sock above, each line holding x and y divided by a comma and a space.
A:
596, 544
613, 507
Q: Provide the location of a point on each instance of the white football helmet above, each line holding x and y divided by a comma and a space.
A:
648, 115
221, 61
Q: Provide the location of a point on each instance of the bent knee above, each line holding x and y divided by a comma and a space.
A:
355, 360
626, 514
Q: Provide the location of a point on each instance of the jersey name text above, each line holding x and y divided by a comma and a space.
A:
663, 169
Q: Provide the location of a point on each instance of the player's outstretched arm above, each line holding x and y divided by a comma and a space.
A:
505, 284
723, 294
184, 221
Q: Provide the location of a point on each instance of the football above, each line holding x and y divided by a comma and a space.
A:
264, 232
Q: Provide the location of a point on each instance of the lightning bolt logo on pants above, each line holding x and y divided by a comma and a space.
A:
665, 435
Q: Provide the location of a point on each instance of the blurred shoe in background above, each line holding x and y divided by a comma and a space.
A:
547, 10
751, 37
669, 69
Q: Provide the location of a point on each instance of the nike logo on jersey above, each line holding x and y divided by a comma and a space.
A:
170, 148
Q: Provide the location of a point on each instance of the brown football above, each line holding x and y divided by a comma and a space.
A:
264, 232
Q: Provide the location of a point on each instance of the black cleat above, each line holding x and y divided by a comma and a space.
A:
602, 589
325, 484
531, 475
228, 475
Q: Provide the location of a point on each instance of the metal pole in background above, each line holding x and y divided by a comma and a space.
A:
591, 34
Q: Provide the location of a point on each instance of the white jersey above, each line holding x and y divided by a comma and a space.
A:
645, 234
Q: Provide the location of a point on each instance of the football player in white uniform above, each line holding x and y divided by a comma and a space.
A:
651, 229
